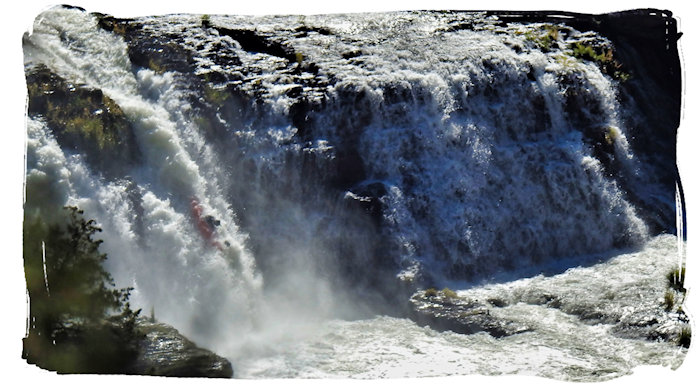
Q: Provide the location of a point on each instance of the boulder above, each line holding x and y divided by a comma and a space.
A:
443, 311
163, 351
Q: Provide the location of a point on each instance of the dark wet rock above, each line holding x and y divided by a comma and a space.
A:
458, 26
649, 324
629, 312
253, 41
134, 195
147, 50
368, 197
350, 168
497, 302
113, 24
165, 352
83, 120
304, 30
351, 54
446, 311
68, 6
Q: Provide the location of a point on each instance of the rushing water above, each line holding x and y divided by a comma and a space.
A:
460, 142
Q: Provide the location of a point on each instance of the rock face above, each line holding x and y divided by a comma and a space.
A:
644, 46
442, 310
165, 352
83, 120
335, 119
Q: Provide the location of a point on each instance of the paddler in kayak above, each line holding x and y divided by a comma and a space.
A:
206, 224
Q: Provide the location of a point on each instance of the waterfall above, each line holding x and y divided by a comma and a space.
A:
148, 232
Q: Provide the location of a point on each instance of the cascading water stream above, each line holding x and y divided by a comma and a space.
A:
196, 288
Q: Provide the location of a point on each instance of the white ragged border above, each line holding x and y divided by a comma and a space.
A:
18, 19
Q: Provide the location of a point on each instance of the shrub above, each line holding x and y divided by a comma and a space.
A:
603, 57
611, 135
79, 321
206, 21
586, 52
684, 337
449, 293
669, 300
430, 292
676, 279
544, 39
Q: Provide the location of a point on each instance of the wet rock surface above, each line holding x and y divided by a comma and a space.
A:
165, 352
83, 120
443, 312
241, 73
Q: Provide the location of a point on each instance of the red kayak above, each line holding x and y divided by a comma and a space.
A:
205, 224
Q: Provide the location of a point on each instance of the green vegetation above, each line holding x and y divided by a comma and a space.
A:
545, 38
603, 57
676, 279
157, 67
445, 292
216, 96
79, 323
684, 337
448, 293
669, 299
675, 296
206, 21
85, 115
566, 60
83, 119
611, 135
586, 52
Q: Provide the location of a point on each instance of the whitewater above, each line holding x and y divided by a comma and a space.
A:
354, 160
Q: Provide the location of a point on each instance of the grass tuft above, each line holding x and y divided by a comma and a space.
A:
684, 337
676, 279
449, 293
669, 300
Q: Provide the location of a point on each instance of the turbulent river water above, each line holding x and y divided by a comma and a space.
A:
352, 160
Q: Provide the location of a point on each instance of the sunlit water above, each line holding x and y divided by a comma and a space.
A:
560, 345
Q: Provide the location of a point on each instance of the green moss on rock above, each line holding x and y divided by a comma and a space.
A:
545, 38
83, 120
603, 57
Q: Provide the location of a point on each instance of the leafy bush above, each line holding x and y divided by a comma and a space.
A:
545, 39
603, 57
79, 321
430, 292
